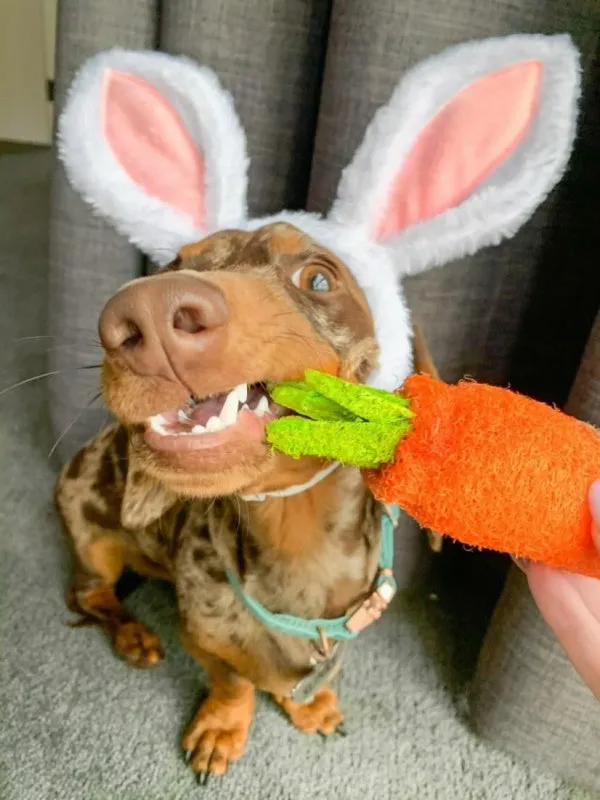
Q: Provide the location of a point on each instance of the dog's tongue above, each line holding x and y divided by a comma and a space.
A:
202, 412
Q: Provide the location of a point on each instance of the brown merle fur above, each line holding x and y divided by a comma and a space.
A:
311, 555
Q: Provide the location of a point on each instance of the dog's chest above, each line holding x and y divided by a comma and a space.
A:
161, 541
323, 583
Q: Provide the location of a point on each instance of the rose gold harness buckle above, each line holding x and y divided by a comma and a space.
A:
373, 606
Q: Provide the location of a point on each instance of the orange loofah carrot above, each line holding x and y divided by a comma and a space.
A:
481, 464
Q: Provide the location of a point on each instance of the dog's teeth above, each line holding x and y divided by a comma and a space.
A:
242, 392
245, 407
214, 424
262, 407
182, 416
157, 424
228, 413
199, 428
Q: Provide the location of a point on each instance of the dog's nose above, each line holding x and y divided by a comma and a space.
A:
163, 319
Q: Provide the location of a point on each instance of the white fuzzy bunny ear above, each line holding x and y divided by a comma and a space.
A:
469, 145
153, 142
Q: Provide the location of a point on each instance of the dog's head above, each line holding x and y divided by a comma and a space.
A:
468, 146
189, 350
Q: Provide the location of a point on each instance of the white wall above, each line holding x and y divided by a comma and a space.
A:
27, 34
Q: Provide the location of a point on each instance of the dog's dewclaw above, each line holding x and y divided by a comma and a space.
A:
362, 401
299, 397
363, 444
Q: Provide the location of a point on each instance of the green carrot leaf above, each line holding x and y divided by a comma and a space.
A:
362, 401
364, 444
323, 396
301, 398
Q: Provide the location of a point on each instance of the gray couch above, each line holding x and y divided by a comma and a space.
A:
307, 75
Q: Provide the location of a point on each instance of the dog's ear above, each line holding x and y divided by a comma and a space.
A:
153, 143
422, 358
424, 363
469, 145
144, 500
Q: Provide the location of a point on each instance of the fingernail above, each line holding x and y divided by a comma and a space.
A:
596, 535
594, 498
521, 563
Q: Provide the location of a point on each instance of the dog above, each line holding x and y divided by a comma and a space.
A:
184, 487
185, 346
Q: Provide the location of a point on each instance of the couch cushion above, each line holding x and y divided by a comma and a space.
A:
88, 260
526, 696
270, 57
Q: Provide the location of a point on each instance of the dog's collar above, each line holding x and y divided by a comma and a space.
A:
290, 491
340, 628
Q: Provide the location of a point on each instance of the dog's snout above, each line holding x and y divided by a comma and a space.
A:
161, 318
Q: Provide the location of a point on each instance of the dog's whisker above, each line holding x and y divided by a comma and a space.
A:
276, 327
37, 337
292, 337
89, 404
48, 374
290, 313
105, 423
211, 506
283, 335
30, 380
70, 350
31, 338
93, 343
239, 515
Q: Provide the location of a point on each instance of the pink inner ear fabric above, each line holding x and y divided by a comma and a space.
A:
469, 137
151, 143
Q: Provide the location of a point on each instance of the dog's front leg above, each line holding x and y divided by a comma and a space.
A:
320, 715
218, 733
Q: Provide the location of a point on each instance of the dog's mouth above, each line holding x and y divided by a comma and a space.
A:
230, 417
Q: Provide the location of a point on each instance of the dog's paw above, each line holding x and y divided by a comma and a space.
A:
218, 734
137, 644
322, 715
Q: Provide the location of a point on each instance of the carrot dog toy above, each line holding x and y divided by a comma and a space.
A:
481, 464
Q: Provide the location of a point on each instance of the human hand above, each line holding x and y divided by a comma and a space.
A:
570, 604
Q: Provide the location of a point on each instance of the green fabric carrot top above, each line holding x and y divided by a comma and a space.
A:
338, 420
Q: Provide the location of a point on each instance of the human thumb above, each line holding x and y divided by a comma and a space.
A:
594, 498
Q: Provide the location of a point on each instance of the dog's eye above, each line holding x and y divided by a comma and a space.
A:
314, 278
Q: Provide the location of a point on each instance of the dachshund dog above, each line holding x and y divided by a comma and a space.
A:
187, 361
184, 487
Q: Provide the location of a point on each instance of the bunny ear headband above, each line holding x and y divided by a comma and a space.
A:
468, 146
